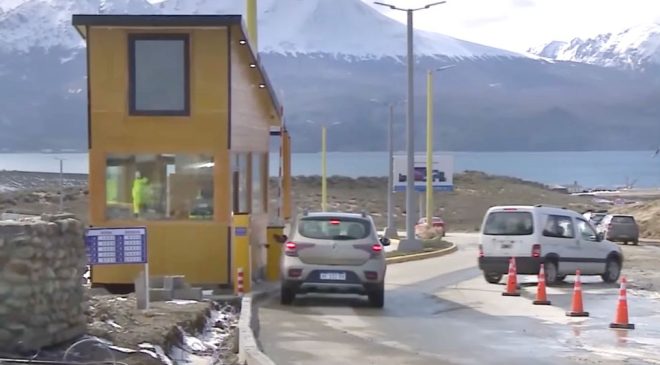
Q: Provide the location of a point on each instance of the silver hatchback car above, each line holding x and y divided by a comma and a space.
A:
334, 253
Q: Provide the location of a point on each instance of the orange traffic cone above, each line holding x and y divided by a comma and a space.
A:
541, 297
511, 282
621, 320
577, 310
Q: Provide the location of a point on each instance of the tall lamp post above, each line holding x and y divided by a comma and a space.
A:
410, 243
429, 142
390, 230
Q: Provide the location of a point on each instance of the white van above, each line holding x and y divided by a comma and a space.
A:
560, 238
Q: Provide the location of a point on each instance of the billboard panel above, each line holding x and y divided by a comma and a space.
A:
443, 173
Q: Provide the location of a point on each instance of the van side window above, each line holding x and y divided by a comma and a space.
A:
586, 232
559, 226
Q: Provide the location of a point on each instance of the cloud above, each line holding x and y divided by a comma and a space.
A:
477, 22
522, 3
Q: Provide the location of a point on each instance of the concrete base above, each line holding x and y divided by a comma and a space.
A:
188, 294
391, 232
160, 295
407, 245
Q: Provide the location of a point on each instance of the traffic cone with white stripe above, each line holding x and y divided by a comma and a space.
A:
541, 296
621, 320
577, 309
512, 282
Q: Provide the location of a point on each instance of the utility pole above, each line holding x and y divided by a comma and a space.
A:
410, 243
61, 207
324, 186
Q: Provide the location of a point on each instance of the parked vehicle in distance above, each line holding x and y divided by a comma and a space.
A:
563, 240
436, 222
334, 253
620, 228
595, 217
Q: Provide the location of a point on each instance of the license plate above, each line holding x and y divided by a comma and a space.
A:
333, 276
506, 245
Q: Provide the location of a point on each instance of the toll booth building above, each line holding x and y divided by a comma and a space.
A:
180, 116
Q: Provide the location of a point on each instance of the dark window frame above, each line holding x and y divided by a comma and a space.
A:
132, 38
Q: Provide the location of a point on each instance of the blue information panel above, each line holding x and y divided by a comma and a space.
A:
107, 246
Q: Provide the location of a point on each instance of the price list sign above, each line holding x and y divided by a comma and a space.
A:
107, 246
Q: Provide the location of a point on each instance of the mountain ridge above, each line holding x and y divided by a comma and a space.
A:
635, 48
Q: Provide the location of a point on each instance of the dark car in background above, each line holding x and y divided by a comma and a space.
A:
619, 228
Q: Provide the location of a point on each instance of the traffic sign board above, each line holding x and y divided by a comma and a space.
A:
107, 246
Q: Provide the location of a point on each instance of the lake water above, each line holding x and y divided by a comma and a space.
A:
591, 169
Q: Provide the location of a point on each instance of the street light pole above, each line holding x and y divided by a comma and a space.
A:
410, 243
391, 229
429, 143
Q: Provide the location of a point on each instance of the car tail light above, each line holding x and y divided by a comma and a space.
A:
371, 275
294, 273
376, 247
536, 250
291, 249
481, 251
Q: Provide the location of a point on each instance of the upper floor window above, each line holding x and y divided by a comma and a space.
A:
159, 75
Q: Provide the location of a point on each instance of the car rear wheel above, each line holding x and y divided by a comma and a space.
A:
377, 297
492, 277
287, 295
552, 276
636, 242
612, 271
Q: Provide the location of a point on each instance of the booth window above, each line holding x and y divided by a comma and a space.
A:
159, 75
159, 187
257, 188
240, 183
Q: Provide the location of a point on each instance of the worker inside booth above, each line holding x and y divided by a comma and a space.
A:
159, 187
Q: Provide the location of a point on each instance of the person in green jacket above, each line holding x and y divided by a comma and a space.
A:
139, 193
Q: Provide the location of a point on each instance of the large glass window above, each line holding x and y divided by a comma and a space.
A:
257, 188
241, 184
159, 187
159, 74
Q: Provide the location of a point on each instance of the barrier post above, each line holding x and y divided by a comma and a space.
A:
274, 252
241, 251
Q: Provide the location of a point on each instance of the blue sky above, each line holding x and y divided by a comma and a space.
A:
519, 24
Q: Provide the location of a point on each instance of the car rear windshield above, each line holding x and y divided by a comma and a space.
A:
509, 224
332, 228
623, 219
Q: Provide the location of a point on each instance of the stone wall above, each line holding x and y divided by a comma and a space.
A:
42, 303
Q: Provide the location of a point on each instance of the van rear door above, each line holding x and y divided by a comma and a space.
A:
508, 232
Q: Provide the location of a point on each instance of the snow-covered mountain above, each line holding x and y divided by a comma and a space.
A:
328, 59
634, 48
338, 27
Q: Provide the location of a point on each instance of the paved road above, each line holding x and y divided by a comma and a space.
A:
441, 311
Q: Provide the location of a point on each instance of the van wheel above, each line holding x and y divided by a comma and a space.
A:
287, 296
492, 277
612, 271
561, 278
552, 276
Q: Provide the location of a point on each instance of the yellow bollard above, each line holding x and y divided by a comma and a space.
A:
240, 250
274, 252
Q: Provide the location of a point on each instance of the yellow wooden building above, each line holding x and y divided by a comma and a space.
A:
181, 113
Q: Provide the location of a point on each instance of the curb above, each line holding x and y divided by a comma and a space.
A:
248, 349
422, 256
